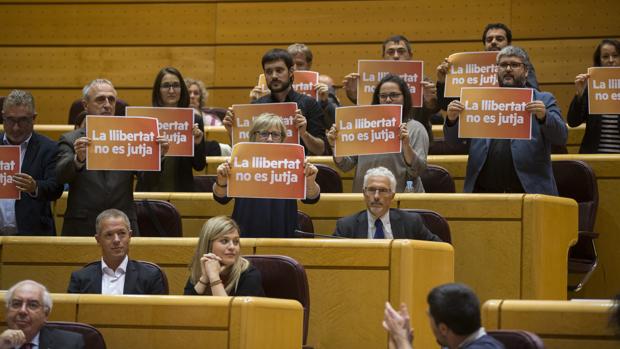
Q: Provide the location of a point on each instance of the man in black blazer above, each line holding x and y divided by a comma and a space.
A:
32, 214
385, 223
116, 273
28, 306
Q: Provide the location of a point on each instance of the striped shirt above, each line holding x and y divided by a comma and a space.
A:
610, 136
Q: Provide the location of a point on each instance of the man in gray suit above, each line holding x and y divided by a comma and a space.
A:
91, 192
379, 221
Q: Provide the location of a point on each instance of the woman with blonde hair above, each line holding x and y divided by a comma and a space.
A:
217, 269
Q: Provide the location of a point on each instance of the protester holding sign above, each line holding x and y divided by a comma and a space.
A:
406, 165
91, 192
602, 131
36, 182
217, 268
276, 218
169, 90
512, 165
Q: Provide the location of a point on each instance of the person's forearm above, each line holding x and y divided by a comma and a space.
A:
315, 145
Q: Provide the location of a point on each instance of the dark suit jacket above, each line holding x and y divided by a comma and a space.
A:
91, 192
405, 225
34, 215
51, 338
141, 278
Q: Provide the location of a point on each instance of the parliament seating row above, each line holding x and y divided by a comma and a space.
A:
572, 324
506, 235
349, 280
160, 322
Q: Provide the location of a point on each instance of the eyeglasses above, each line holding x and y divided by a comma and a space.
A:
21, 121
392, 96
167, 86
16, 304
265, 134
512, 65
380, 191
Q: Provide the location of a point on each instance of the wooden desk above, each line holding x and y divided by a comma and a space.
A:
560, 324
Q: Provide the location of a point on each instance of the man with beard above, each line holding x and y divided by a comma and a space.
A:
513, 165
379, 221
495, 37
278, 70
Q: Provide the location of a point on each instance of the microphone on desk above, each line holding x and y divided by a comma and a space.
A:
301, 233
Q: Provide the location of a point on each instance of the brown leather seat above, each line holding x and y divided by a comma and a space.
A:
328, 179
284, 277
435, 222
437, 179
304, 223
575, 179
204, 183
77, 107
158, 218
440, 146
517, 339
92, 337
164, 278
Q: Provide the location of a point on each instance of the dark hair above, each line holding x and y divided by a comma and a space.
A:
278, 54
615, 314
497, 26
156, 99
79, 119
396, 39
404, 89
456, 306
597, 52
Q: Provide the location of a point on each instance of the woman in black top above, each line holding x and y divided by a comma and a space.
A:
602, 131
217, 269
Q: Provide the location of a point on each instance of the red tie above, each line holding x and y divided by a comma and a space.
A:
26, 346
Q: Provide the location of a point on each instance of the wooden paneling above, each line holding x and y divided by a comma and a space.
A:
573, 18
317, 21
108, 24
73, 67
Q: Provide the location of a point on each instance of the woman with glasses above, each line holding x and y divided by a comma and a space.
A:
602, 131
273, 218
406, 165
169, 90
217, 268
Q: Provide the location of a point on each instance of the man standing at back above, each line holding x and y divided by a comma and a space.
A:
91, 192
37, 183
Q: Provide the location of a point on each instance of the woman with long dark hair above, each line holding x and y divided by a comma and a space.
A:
169, 90
406, 165
602, 131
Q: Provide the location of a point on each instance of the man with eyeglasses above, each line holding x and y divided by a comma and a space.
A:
28, 305
278, 69
37, 183
115, 273
379, 221
495, 37
513, 165
91, 192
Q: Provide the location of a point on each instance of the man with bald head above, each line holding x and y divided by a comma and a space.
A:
28, 305
91, 192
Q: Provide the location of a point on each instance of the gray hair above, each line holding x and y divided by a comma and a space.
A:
381, 172
19, 97
303, 49
204, 94
266, 121
111, 213
90, 85
514, 51
47, 299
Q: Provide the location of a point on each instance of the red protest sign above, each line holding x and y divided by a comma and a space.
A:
372, 71
176, 124
245, 114
368, 129
10, 165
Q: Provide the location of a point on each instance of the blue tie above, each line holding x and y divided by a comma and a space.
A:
379, 229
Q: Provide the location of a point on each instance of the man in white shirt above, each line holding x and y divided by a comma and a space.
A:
379, 221
116, 274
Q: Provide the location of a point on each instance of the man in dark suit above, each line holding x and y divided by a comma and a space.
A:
91, 192
116, 273
28, 306
379, 221
32, 214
